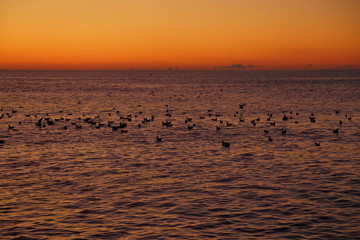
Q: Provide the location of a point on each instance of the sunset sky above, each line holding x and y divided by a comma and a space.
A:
189, 34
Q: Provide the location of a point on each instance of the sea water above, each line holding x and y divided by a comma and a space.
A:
291, 171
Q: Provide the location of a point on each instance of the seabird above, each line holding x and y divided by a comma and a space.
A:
225, 144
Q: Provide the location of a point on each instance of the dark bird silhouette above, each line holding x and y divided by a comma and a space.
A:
50, 122
167, 123
191, 127
317, 144
272, 123
39, 122
225, 144
241, 106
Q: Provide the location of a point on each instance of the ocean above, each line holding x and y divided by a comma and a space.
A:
179, 154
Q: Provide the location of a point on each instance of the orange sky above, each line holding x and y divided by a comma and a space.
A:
157, 34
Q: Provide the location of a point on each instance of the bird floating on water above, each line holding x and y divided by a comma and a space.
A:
190, 127
225, 144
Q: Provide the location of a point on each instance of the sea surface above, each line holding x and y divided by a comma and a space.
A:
80, 159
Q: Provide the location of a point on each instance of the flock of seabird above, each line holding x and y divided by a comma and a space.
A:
77, 123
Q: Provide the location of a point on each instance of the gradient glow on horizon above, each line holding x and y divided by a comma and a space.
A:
196, 34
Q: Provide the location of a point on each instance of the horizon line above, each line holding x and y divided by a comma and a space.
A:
178, 69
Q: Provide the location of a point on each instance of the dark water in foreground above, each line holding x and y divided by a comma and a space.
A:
97, 183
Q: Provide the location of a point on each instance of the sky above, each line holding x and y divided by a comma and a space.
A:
188, 34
